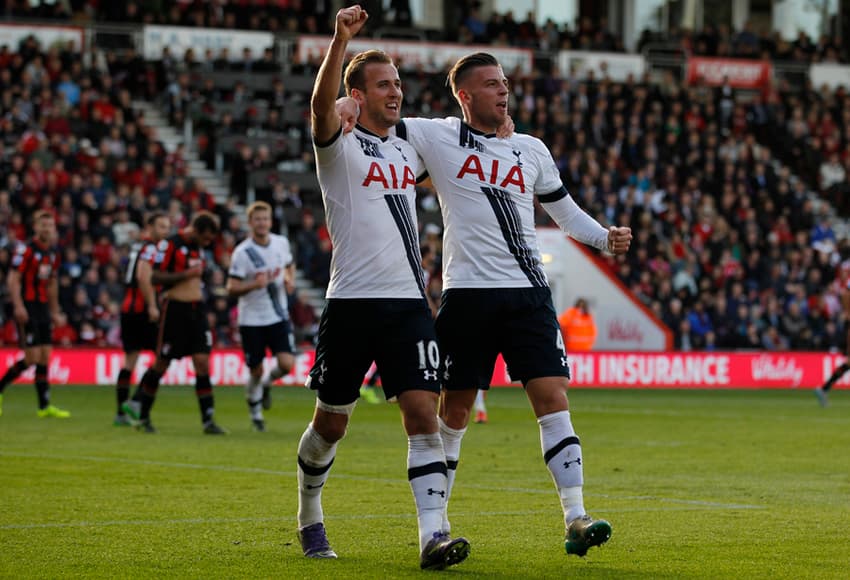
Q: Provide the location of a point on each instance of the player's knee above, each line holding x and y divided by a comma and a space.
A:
160, 365
331, 428
331, 421
257, 371
202, 365
547, 395
420, 423
130, 360
286, 362
419, 411
455, 416
41, 356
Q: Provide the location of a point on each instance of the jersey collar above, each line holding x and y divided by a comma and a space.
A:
475, 131
266, 245
363, 129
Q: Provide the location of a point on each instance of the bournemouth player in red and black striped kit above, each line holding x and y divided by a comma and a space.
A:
139, 309
34, 290
183, 328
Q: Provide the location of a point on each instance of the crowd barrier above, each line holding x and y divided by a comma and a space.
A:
634, 370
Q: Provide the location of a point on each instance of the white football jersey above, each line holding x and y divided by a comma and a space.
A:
369, 191
486, 188
263, 306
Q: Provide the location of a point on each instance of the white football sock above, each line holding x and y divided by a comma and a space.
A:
451, 443
254, 396
562, 453
426, 472
315, 457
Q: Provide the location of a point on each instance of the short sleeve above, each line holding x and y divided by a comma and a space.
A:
328, 152
148, 253
163, 255
19, 260
414, 131
549, 176
237, 265
286, 251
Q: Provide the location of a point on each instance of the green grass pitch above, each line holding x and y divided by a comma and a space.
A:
703, 484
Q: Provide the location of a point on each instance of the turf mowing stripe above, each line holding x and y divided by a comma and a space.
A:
289, 519
336, 475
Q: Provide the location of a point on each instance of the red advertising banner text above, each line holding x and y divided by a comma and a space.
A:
629, 370
741, 73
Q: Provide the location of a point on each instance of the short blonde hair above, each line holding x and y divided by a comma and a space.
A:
258, 206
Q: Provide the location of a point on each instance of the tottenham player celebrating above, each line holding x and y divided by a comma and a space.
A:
261, 274
496, 296
376, 297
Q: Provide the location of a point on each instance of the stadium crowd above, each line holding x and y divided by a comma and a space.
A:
499, 28
71, 142
730, 198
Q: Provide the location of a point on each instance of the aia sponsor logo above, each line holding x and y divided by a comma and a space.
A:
493, 173
395, 178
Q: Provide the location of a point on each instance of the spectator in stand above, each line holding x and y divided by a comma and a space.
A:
304, 320
578, 327
64, 334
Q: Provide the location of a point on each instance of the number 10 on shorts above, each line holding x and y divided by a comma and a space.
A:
429, 355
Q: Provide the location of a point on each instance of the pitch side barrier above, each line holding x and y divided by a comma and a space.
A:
628, 370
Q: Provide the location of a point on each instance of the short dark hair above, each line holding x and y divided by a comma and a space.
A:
43, 214
204, 222
355, 77
155, 216
466, 64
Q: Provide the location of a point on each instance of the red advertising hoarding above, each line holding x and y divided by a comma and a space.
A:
741, 73
714, 370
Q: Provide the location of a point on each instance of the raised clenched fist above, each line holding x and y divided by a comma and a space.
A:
349, 21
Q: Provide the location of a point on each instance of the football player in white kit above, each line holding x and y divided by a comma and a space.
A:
261, 274
496, 297
376, 306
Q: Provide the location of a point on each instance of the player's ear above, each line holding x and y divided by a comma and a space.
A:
358, 96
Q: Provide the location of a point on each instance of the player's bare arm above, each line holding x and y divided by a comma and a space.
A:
144, 274
185, 286
289, 279
324, 117
175, 278
236, 287
53, 299
14, 285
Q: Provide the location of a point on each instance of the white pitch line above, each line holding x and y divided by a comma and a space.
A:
291, 520
384, 480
